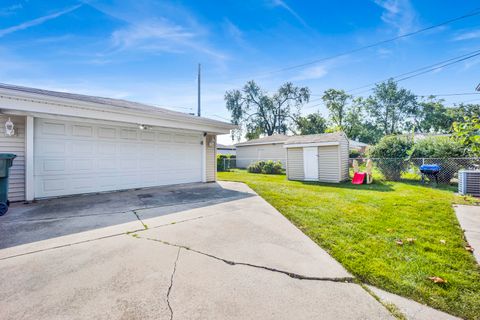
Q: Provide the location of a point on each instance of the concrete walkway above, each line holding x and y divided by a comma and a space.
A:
226, 254
469, 219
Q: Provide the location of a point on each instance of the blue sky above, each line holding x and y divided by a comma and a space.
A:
148, 51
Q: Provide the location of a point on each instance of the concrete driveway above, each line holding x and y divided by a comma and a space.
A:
215, 251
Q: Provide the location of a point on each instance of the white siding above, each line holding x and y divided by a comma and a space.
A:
15, 144
344, 154
211, 159
328, 164
249, 154
295, 164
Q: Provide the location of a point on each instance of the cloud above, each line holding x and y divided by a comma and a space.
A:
467, 35
37, 21
284, 5
10, 9
315, 72
233, 31
146, 32
161, 35
156, 27
399, 14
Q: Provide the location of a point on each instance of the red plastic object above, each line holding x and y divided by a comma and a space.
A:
359, 177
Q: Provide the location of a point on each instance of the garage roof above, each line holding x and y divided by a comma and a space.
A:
105, 104
276, 138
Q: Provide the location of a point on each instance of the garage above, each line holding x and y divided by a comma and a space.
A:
76, 157
76, 144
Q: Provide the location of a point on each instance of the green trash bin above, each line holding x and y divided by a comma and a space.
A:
6, 161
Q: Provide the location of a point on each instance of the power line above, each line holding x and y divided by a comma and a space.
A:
422, 70
372, 45
448, 94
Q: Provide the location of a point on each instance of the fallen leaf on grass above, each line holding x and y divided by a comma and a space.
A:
443, 241
469, 248
437, 280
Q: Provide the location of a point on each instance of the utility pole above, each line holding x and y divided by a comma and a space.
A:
198, 101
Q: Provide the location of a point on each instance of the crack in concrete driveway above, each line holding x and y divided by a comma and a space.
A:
233, 263
171, 283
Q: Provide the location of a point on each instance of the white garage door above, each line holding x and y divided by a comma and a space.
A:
72, 158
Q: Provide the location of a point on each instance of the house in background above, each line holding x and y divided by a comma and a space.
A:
318, 157
266, 148
272, 148
358, 146
226, 150
420, 136
72, 144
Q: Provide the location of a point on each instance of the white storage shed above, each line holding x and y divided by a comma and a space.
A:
318, 157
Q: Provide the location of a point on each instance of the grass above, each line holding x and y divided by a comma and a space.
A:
359, 226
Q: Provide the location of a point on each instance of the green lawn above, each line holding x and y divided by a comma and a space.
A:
359, 226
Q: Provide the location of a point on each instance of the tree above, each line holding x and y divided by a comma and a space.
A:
311, 124
391, 107
345, 114
467, 132
260, 114
336, 103
433, 116
354, 120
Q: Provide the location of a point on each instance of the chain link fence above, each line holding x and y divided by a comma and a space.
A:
397, 169
389, 169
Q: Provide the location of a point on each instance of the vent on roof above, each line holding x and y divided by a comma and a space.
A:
469, 182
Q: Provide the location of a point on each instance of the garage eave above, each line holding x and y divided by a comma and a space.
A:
34, 103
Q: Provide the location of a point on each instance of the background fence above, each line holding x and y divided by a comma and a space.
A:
397, 169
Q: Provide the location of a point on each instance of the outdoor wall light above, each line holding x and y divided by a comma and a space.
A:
211, 143
9, 128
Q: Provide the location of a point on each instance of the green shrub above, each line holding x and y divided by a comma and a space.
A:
266, 167
393, 151
438, 147
272, 167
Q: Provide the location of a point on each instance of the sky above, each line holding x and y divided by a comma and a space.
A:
148, 51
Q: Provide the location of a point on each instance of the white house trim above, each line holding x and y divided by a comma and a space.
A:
204, 158
29, 163
32, 103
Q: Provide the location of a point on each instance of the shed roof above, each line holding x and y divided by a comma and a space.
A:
316, 138
276, 138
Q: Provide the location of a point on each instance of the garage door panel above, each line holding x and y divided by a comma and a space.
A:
82, 131
128, 134
106, 148
107, 133
81, 157
48, 128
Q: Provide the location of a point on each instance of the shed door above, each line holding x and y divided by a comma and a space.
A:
310, 163
73, 158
